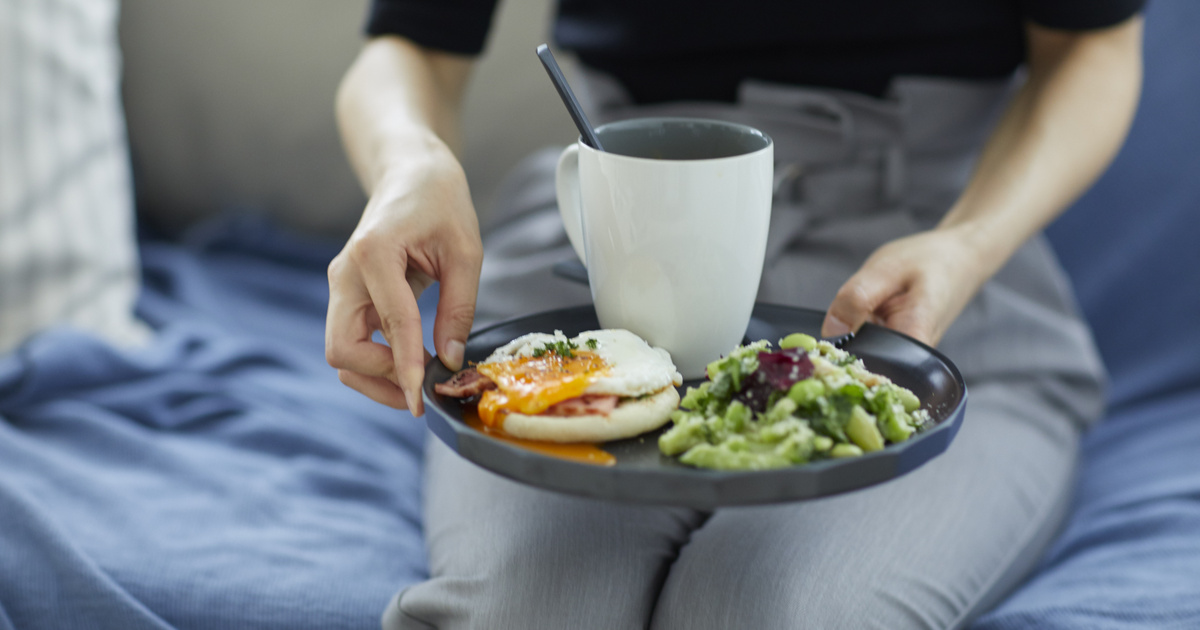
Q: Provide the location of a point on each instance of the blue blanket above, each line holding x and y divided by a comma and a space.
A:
1130, 554
221, 477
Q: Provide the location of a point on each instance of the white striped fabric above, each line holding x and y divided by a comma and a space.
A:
67, 248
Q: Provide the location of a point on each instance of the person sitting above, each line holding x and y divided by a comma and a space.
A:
930, 141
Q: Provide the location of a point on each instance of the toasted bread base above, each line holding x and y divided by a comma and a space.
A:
630, 418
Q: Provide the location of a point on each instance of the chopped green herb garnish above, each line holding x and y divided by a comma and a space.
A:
592, 343
561, 348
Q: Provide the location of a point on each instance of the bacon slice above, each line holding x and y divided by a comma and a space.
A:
465, 384
585, 405
469, 383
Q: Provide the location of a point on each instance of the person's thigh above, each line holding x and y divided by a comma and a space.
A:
929, 550
504, 555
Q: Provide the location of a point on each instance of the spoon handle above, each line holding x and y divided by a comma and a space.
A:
568, 97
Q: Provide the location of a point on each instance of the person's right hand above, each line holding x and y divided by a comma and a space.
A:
418, 227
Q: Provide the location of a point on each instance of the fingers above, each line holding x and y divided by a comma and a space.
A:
456, 311
879, 301
362, 364
910, 313
378, 389
400, 322
364, 357
857, 301
381, 390
349, 324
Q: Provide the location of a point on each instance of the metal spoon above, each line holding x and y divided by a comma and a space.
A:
568, 97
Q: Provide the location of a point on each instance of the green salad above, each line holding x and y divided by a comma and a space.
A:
762, 408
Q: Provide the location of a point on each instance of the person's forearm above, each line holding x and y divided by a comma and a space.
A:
399, 103
397, 111
1057, 137
1054, 140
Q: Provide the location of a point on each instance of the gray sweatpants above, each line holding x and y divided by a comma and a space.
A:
928, 550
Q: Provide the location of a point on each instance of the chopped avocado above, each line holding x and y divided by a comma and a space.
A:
798, 340
894, 424
695, 398
907, 398
862, 431
736, 416
854, 391
790, 419
775, 433
723, 458
845, 450
805, 393
687, 433
780, 410
797, 447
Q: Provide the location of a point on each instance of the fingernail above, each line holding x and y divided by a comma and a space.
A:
834, 327
414, 401
453, 354
410, 384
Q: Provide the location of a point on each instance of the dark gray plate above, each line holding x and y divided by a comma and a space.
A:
643, 475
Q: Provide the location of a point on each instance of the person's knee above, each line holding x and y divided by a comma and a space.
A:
535, 578
812, 595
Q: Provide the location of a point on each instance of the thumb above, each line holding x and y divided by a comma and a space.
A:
455, 314
854, 303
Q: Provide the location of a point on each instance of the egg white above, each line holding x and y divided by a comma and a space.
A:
634, 368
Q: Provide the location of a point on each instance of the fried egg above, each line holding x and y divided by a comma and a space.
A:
538, 370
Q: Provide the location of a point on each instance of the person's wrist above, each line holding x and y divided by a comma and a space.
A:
428, 167
412, 151
979, 251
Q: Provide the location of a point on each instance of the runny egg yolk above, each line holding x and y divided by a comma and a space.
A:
530, 385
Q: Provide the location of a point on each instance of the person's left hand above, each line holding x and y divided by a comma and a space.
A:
916, 285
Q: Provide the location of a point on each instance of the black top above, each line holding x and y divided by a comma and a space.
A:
664, 50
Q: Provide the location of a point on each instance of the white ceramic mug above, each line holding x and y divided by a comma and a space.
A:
671, 221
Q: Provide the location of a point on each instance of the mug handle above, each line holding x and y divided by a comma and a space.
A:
566, 186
